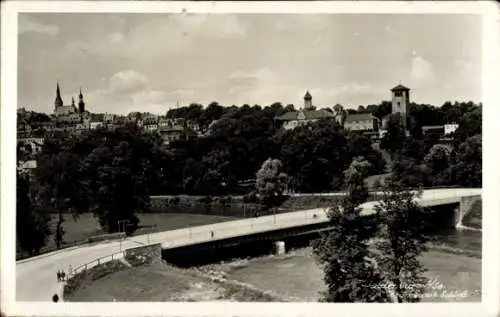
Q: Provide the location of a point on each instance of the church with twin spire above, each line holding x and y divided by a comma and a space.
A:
70, 113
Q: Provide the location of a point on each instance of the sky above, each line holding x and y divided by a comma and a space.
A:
152, 62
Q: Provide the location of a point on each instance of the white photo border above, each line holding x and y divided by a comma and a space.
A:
491, 174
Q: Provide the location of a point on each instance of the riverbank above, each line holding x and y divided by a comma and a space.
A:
453, 277
163, 282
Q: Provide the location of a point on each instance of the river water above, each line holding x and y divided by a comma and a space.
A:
454, 270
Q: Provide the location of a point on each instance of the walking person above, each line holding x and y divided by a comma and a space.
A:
55, 298
58, 276
63, 276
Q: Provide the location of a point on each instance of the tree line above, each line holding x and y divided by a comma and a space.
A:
112, 173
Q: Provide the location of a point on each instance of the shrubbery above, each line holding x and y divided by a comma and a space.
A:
92, 274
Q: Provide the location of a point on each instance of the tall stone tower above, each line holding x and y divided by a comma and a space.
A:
58, 102
401, 102
81, 103
308, 101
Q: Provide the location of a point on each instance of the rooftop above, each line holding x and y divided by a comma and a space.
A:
400, 87
308, 115
359, 117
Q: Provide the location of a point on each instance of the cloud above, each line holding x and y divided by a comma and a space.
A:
345, 93
174, 33
127, 91
28, 25
218, 27
259, 86
128, 81
422, 71
116, 37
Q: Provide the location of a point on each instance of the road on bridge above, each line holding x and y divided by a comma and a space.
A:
36, 277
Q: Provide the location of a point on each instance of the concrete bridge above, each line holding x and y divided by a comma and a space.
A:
41, 270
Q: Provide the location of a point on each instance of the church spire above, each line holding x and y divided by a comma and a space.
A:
73, 101
81, 103
58, 102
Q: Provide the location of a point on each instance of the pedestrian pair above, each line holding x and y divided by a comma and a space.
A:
61, 276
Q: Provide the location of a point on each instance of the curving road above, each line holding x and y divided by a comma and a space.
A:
36, 277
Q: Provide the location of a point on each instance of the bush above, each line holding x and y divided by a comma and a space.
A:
90, 275
174, 200
205, 200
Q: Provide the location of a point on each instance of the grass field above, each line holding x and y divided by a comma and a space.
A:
161, 282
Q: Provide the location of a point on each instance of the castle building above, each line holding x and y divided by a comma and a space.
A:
293, 119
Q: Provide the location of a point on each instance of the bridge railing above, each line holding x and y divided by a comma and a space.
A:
248, 226
95, 262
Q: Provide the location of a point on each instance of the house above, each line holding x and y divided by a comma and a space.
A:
108, 118
434, 128
35, 144
364, 123
293, 119
23, 127
96, 124
150, 125
450, 128
26, 166
176, 132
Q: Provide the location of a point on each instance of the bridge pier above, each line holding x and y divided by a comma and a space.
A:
279, 247
465, 206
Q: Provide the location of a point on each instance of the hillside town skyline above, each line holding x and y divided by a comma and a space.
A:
59, 93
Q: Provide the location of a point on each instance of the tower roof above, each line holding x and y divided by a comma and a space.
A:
307, 95
400, 87
58, 102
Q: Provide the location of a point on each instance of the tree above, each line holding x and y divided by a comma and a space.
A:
412, 149
438, 158
408, 172
469, 125
108, 173
314, 155
60, 180
24, 151
430, 139
118, 175
395, 136
350, 272
270, 183
32, 224
402, 240
361, 145
467, 167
